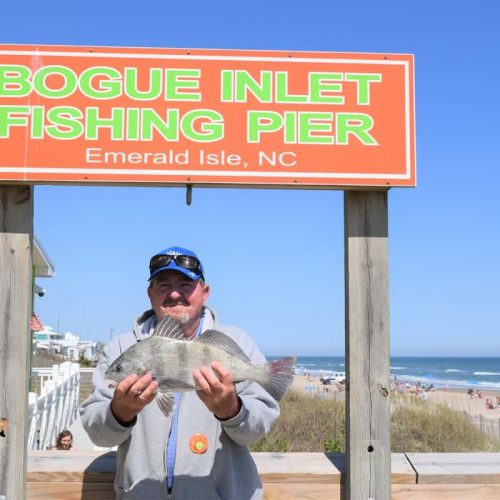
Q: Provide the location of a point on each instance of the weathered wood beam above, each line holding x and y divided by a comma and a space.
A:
16, 237
368, 446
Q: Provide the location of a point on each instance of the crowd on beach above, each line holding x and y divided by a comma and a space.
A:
491, 403
313, 386
418, 389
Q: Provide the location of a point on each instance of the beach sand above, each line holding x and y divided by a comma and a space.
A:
459, 400
456, 399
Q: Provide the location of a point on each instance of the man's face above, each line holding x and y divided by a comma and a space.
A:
173, 293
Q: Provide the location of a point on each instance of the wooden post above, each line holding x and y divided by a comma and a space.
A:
16, 237
368, 445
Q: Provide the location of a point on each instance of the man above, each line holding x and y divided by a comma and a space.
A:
201, 449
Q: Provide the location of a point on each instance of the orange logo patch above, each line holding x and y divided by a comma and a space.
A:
198, 443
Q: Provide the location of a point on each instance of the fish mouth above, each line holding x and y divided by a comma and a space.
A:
111, 383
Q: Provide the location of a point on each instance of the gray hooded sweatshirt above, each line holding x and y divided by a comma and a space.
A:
225, 471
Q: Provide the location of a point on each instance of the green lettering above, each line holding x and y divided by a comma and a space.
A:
151, 121
154, 89
321, 87
177, 80
133, 125
65, 122
210, 128
12, 116
245, 83
226, 90
363, 81
262, 122
108, 87
14, 80
69, 81
115, 122
290, 127
309, 123
37, 122
357, 124
282, 94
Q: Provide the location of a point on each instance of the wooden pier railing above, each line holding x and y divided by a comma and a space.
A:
89, 475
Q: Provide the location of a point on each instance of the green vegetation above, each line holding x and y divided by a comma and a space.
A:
318, 425
417, 426
306, 424
86, 362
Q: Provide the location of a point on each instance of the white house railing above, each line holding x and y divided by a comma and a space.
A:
57, 406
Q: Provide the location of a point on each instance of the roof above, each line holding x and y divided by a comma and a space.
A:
35, 323
41, 261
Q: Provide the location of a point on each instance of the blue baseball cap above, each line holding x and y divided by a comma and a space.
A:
176, 259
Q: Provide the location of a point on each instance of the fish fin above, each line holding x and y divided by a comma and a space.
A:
165, 402
280, 377
169, 328
222, 341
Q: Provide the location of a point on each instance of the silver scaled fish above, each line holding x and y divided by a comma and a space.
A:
171, 359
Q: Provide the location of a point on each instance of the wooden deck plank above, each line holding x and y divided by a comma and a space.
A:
463, 468
444, 492
71, 466
296, 491
401, 470
96, 466
454, 476
296, 467
279, 491
70, 491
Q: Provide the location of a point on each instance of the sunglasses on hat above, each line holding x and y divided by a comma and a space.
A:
185, 261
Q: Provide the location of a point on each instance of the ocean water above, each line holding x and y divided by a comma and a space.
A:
478, 373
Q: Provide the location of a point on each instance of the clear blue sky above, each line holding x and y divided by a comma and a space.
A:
274, 258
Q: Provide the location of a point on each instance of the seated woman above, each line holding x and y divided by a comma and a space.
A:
64, 440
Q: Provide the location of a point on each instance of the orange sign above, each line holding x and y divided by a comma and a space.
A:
207, 117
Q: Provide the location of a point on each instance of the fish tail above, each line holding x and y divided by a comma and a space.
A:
280, 377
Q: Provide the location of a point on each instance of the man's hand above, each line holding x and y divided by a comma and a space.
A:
132, 394
217, 390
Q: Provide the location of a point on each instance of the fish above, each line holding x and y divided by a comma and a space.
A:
171, 359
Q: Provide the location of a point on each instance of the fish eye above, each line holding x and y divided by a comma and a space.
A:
118, 368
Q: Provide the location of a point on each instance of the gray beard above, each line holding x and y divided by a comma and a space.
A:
183, 318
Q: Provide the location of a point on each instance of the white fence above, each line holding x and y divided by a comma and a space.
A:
57, 406
490, 426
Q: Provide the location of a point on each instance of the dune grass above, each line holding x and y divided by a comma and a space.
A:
305, 424
318, 425
417, 426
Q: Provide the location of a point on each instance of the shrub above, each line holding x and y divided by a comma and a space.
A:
306, 424
310, 424
417, 426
